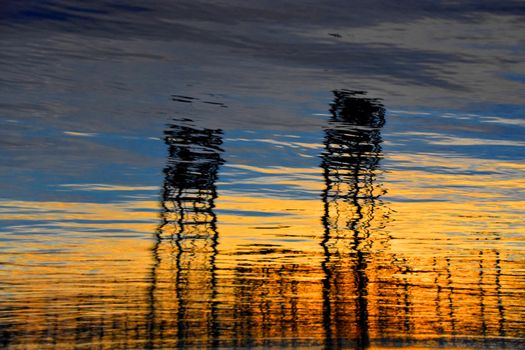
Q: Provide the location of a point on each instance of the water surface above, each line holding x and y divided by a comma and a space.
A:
245, 174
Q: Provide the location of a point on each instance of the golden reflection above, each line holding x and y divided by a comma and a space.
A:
183, 292
353, 217
431, 264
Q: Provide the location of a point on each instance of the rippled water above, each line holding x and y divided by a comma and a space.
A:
249, 174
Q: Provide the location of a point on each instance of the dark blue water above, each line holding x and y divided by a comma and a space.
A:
219, 174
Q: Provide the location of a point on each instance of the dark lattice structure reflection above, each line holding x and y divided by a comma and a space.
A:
357, 289
354, 243
183, 301
286, 301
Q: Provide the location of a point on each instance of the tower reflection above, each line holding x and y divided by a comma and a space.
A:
345, 285
286, 297
371, 292
184, 283
353, 242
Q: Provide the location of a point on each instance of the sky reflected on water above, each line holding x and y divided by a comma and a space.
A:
251, 175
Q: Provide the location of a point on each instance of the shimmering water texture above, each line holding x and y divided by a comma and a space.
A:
262, 174
344, 268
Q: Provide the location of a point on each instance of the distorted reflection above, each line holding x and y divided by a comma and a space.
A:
370, 292
182, 298
353, 244
359, 293
362, 277
280, 299
275, 304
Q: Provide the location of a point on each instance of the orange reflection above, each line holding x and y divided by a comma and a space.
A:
355, 269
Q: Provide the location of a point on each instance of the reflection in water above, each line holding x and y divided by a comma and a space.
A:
370, 292
271, 306
352, 151
350, 285
353, 217
183, 305
281, 297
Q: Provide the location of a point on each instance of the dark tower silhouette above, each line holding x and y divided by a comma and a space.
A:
370, 292
355, 262
353, 212
183, 279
